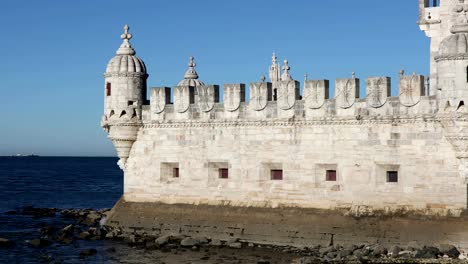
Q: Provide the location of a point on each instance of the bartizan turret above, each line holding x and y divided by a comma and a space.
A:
124, 94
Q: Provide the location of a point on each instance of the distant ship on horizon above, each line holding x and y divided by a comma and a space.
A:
25, 155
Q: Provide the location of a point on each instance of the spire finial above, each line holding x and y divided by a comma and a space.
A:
353, 75
126, 47
191, 73
273, 58
305, 77
286, 76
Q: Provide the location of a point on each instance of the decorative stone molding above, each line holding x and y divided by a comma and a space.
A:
260, 94
126, 74
378, 89
234, 94
315, 93
461, 56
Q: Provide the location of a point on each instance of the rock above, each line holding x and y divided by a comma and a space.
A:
163, 240
323, 251
427, 253
68, 230
216, 242
151, 245
331, 255
379, 250
413, 245
358, 253
251, 245
189, 242
235, 245
263, 262
111, 250
232, 240
450, 250
88, 252
84, 235
202, 240
6, 243
406, 254
345, 253
39, 242
92, 218
393, 251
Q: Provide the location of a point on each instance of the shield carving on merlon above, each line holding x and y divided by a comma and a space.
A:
207, 96
159, 97
411, 88
234, 94
182, 98
288, 93
315, 93
378, 89
260, 94
346, 92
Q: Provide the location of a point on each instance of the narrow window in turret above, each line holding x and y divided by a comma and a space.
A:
108, 89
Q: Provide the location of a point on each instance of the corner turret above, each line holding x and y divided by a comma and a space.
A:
124, 95
452, 61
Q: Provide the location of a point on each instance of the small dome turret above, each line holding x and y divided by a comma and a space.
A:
191, 75
454, 44
126, 61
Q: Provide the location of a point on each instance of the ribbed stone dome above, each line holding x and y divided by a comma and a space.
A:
454, 44
191, 82
126, 61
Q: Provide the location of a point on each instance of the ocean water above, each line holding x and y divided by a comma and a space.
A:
64, 183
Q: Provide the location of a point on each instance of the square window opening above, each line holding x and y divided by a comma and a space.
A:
392, 176
223, 173
277, 175
330, 175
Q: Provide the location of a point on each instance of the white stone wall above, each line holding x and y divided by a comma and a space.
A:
360, 142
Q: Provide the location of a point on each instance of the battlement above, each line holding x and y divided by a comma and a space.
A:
203, 103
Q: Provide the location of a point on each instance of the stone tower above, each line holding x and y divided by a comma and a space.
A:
436, 19
124, 95
452, 61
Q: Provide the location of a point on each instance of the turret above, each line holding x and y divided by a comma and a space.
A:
124, 95
452, 61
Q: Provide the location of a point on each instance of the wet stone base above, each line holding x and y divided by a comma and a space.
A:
82, 228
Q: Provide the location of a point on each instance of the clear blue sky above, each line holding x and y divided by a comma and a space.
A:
54, 54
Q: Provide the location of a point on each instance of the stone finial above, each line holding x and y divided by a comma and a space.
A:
191, 73
402, 72
126, 47
263, 78
353, 75
305, 77
286, 76
274, 58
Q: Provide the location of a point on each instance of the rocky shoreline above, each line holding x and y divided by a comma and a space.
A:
86, 225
